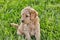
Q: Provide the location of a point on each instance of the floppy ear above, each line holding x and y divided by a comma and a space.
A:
36, 13
33, 14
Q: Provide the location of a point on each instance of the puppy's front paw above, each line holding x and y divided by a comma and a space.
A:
14, 25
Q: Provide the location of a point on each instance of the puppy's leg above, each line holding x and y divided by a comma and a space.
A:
37, 33
15, 25
26, 32
19, 32
37, 36
20, 29
27, 36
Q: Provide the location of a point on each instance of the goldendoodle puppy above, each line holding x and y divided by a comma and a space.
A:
29, 24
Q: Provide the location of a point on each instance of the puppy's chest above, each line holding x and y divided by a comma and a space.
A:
31, 26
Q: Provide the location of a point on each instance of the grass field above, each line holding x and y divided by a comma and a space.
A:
49, 14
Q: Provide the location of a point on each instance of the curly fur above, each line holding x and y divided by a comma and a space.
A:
30, 25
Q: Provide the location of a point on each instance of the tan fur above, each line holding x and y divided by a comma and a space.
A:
31, 25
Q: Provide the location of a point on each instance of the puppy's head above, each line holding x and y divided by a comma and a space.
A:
28, 14
25, 15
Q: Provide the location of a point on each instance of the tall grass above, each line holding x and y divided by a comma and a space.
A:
49, 14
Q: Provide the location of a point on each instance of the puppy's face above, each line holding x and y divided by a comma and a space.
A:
25, 17
28, 14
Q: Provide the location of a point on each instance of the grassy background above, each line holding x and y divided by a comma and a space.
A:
49, 14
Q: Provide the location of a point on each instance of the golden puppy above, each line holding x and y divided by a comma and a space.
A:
29, 24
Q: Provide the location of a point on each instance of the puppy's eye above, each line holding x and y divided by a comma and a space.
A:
26, 15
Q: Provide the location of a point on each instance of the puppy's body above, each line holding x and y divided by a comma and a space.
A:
30, 24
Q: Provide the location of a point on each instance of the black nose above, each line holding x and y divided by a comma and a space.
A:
22, 20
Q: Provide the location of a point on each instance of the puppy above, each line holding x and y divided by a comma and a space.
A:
29, 24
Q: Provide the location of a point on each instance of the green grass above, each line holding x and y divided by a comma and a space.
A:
49, 14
